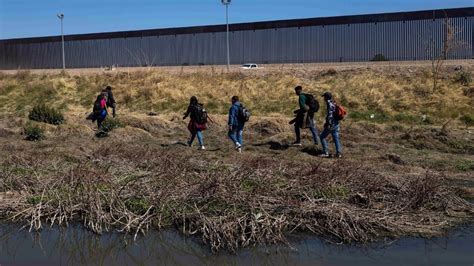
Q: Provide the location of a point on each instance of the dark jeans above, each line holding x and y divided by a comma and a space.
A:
312, 128
99, 123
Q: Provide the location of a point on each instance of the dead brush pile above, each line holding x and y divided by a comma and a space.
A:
133, 188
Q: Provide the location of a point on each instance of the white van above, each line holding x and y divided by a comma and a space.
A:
249, 66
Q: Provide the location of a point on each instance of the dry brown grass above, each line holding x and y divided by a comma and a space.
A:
135, 187
386, 92
397, 178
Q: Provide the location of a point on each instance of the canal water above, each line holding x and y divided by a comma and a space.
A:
76, 246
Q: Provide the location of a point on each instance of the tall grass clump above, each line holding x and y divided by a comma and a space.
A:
33, 133
464, 78
46, 114
110, 124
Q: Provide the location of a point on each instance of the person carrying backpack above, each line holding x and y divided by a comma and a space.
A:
331, 126
238, 116
110, 99
197, 122
99, 111
305, 115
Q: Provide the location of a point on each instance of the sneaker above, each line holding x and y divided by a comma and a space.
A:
238, 146
338, 155
201, 148
324, 155
189, 144
296, 143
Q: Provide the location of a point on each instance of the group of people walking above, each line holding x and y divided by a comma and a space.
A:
304, 118
239, 115
308, 106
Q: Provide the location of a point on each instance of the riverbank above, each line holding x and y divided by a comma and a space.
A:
401, 174
138, 179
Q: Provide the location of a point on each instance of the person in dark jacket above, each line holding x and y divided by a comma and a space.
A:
99, 111
331, 126
304, 118
236, 125
195, 126
110, 99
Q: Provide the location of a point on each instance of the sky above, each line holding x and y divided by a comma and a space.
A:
32, 18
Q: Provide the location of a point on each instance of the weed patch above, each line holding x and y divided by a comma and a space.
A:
111, 123
33, 133
465, 165
43, 113
137, 205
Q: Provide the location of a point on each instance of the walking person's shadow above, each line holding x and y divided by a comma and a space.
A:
273, 145
182, 143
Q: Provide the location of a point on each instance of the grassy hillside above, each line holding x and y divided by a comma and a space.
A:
400, 94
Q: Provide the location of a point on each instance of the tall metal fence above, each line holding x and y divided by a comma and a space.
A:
419, 35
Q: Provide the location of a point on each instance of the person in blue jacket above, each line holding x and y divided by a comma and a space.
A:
236, 123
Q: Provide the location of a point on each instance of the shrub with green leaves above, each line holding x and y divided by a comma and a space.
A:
33, 133
110, 124
46, 114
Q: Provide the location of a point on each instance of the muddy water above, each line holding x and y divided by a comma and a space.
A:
79, 246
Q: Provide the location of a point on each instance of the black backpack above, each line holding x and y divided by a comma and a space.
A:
201, 114
243, 115
312, 103
97, 107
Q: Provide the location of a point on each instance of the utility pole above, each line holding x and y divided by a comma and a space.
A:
227, 3
61, 17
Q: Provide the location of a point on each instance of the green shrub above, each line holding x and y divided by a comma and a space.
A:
379, 57
110, 124
33, 200
467, 119
465, 165
33, 133
137, 205
43, 113
464, 78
